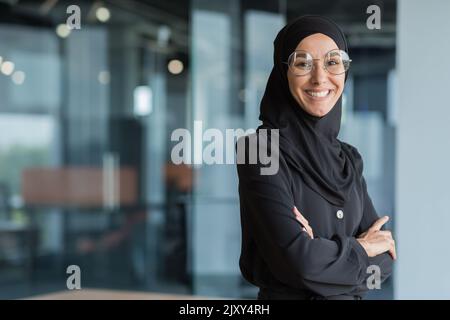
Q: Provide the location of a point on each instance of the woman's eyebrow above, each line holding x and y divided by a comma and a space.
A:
303, 55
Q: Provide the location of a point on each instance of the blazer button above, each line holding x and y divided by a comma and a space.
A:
340, 214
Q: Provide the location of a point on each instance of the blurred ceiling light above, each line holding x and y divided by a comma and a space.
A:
1, 60
18, 77
63, 30
143, 101
103, 14
175, 66
7, 68
104, 77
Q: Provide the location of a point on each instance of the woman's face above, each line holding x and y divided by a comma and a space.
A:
318, 91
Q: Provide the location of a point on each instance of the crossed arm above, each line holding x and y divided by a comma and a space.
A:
292, 253
374, 240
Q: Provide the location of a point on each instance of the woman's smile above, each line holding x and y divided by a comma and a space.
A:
319, 94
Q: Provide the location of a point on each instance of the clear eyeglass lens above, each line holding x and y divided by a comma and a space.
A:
336, 62
301, 62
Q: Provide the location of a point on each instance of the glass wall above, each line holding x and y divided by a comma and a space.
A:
87, 117
84, 163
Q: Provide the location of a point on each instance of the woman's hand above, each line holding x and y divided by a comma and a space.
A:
376, 241
304, 222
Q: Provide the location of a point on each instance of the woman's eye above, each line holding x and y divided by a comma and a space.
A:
302, 65
333, 62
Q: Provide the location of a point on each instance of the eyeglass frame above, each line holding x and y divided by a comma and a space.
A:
313, 66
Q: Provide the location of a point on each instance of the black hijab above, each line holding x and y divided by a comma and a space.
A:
308, 143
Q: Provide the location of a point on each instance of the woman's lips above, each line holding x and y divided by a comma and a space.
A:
318, 94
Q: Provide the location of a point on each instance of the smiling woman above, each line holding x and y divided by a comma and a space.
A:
311, 82
311, 230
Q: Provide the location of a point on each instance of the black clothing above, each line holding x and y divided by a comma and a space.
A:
322, 177
278, 255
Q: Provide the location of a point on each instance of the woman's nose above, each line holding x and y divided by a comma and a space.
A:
318, 73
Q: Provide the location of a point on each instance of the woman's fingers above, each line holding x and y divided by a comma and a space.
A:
386, 233
304, 222
379, 223
308, 229
301, 218
378, 242
297, 213
393, 250
389, 246
309, 232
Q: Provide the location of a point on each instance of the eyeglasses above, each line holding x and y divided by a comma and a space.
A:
335, 62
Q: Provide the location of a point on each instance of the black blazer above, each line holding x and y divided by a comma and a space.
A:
278, 256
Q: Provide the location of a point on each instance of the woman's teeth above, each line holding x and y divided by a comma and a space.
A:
319, 94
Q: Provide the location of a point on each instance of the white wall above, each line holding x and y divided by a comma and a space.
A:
423, 150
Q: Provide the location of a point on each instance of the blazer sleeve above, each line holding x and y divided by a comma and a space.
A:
325, 266
384, 260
